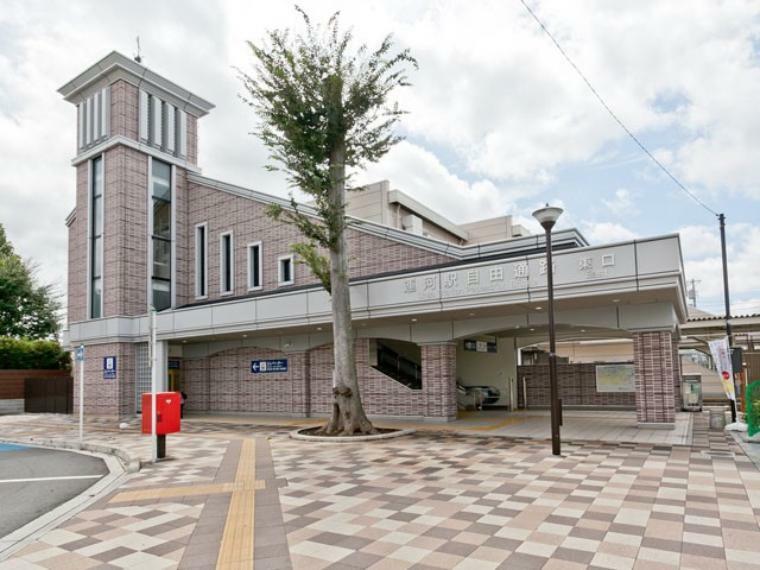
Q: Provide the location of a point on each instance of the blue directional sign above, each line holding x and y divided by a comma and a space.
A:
269, 366
109, 368
79, 354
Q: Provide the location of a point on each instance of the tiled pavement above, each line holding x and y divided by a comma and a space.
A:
433, 500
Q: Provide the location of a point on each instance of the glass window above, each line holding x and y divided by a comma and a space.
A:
162, 219
162, 174
97, 297
97, 261
96, 239
286, 270
226, 261
162, 294
97, 215
97, 176
254, 266
200, 261
162, 258
161, 184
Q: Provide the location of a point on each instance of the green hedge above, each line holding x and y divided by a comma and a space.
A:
32, 354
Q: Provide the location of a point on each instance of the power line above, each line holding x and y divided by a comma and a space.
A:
613, 115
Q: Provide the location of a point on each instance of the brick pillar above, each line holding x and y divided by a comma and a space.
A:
677, 396
653, 361
106, 397
300, 378
439, 367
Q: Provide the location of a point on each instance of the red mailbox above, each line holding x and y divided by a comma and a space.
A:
167, 418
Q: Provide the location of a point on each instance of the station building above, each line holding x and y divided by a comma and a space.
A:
243, 327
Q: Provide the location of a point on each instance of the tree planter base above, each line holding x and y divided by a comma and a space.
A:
308, 434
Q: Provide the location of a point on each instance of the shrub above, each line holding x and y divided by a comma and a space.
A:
32, 354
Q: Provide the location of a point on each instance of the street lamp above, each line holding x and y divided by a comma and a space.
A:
547, 217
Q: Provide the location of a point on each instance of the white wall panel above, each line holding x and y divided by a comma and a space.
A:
170, 130
182, 133
157, 121
144, 113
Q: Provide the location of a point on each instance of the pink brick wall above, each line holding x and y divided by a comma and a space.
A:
677, 396
114, 398
653, 359
77, 275
124, 109
125, 245
184, 285
223, 383
248, 221
577, 387
192, 139
439, 370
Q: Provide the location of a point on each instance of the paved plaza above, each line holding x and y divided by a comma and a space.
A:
241, 495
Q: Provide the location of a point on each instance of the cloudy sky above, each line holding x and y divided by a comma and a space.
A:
498, 123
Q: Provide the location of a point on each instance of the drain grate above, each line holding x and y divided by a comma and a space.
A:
713, 454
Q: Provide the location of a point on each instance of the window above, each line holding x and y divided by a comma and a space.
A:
254, 266
285, 274
226, 263
96, 238
201, 260
161, 276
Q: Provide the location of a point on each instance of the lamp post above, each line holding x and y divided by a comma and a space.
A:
547, 217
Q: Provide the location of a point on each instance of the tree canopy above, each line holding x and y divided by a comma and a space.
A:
314, 95
28, 309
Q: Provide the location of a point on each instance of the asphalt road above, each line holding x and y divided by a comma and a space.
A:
34, 481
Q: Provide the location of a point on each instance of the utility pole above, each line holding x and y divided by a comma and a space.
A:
692, 292
722, 223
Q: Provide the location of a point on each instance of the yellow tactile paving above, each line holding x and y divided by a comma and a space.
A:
187, 491
236, 550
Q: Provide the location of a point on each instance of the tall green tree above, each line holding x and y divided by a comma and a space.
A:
27, 308
324, 113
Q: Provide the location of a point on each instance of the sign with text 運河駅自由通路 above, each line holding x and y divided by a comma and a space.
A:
269, 366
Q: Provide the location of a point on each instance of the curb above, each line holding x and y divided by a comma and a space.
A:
296, 434
129, 463
36, 528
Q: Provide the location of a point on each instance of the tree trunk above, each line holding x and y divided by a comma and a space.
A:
348, 415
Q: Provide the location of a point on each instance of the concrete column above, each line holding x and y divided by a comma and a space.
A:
162, 365
653, 361
439, 367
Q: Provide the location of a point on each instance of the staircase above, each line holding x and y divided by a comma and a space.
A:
399, 368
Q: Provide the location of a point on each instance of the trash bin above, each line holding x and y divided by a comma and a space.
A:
717, 418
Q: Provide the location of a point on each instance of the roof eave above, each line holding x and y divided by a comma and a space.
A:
115, 60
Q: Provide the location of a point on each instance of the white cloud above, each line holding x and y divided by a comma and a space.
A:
417, 172
495, 112
606, 232
703, 262
699, 241
621, 204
